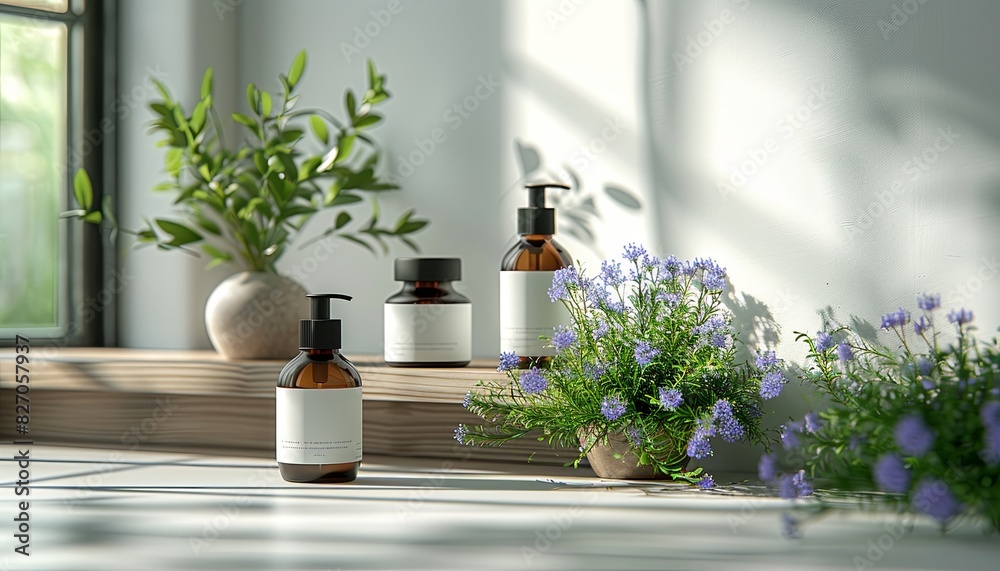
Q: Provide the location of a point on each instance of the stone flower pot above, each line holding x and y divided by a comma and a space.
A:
613, 458
255, 315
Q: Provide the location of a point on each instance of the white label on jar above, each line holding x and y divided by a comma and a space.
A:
527, 312
318, 426
428, 332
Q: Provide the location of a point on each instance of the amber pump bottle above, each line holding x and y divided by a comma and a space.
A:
318, 404
526, 312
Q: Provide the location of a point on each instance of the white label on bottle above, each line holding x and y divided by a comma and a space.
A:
428, 332
527, 312
318, 426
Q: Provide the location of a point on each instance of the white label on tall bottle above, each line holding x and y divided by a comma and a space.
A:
318, 426
428, 332
527, 312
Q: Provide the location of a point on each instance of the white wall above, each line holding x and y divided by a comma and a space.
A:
821, 222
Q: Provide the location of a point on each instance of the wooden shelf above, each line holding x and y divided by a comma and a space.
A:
196, 400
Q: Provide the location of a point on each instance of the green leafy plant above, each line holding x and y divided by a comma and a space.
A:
918, 421
246, 205
649, 354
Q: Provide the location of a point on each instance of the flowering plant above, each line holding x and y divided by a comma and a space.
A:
650, 354
920, 422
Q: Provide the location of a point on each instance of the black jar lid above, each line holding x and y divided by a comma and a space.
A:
428, 269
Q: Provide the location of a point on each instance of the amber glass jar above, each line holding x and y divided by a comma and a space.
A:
428, 323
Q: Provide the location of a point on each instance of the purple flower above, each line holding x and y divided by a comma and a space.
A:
713, 281
789, 435
533, 381
698, 447
925, 366
564, 338
468, 399
612, 408
813, 422
601, 330
729, 428
891, 474
844, 352
670, 399
823, 341
921, 324
634, 435
644, 352
960, 316
990, 413
722, 410
719, 341
611, 273
766, 360
508, 361
791, 486
460, 433
896, 318
706, 483
633, 252
770, 385
932, 497
913, 436
991, 445
562, 280
672, 299
929, 301
595, 371
616, 306
767, 467
669, 267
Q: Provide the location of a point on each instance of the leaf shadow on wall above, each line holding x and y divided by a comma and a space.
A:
579, 213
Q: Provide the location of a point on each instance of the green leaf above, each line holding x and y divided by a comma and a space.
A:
345, 198
297, 210
164, 111
260, 161
291, 135
349, 103
241, 118
359, 242
298, 66
309, 167
367, 120
342, 220
82, 189
198, 116
206, 83
265, 103
172, 161
208, 225
147, 235
181, 234
93, 217
372, 75
216, 252
253, 98
344, 146
410, 227
319, 128
109, 213
251, 233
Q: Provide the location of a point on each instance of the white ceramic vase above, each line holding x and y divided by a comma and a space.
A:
255, 315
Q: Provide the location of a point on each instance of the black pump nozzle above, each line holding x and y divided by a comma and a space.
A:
537, 218
319, 331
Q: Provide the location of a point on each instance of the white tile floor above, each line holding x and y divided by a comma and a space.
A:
135, 511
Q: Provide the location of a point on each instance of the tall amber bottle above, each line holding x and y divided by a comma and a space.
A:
318, 404
526, 312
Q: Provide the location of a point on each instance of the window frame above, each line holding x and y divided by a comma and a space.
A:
86, 309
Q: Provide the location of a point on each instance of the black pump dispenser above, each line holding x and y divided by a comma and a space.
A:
536, 218
319, 331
